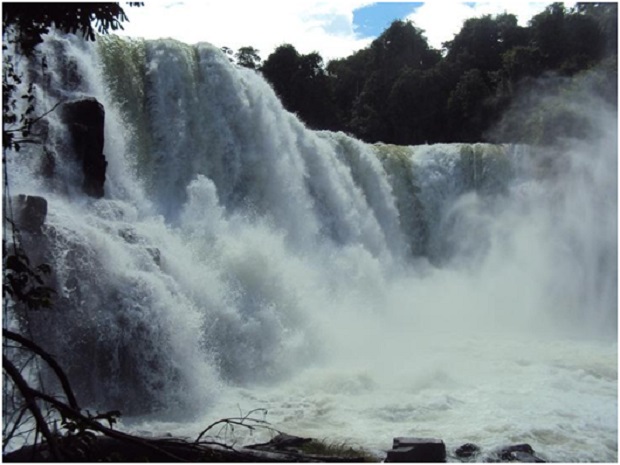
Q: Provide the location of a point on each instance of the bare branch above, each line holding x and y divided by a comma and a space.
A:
62, 377
31, 403
245, 421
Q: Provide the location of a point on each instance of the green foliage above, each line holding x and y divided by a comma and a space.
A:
399, 90
24, 24
302, 84
393, 58
32, 20
402, 44
17, 122
23, 282
522, 61
416, 105
279, 69
368, 114
347, 78
248, 57
482, 41
468, 114
568, 41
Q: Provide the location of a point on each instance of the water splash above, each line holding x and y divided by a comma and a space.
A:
235, 246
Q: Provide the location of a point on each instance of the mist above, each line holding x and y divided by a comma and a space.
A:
239, 260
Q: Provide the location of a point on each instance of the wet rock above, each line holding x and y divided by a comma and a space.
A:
417, 450
85, 121
30, 212
129, 235
48, 163
519, 453
467, 451
515, 453
155, 253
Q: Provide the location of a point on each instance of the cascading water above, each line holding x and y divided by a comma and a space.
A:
360, 292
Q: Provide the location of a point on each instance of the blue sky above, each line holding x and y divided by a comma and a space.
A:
334, 28
372, 20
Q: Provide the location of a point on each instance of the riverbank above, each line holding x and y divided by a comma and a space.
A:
281, 448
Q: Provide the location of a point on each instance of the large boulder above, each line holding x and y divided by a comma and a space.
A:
29, 212
417, 450
85, 121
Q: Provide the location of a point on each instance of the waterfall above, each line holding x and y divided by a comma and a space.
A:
235, 247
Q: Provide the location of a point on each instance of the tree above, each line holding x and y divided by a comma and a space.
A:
400, 49
586, 42
302, 84
522, 61
482, 41
467, 112
416, 105
606, 16
368, 120
347, 77
401, 90
402, 44
248, 57
279, 69
32, 20
569, 41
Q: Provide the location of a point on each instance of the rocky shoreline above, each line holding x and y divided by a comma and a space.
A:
281, 448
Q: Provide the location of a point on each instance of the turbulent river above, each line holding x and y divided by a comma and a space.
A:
357, 292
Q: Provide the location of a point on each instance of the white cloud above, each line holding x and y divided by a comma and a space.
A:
443, 19
310, 25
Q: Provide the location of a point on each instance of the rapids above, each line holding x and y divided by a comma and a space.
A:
358, 292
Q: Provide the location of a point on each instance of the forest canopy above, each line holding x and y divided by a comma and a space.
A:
400, 90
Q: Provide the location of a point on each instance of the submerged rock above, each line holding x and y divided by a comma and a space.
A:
519, 453
469, 452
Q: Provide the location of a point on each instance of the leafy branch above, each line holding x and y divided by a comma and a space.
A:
24, 283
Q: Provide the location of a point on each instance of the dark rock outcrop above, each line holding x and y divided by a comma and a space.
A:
29, 212
467, 451
85, 121
417, 450
519, 453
